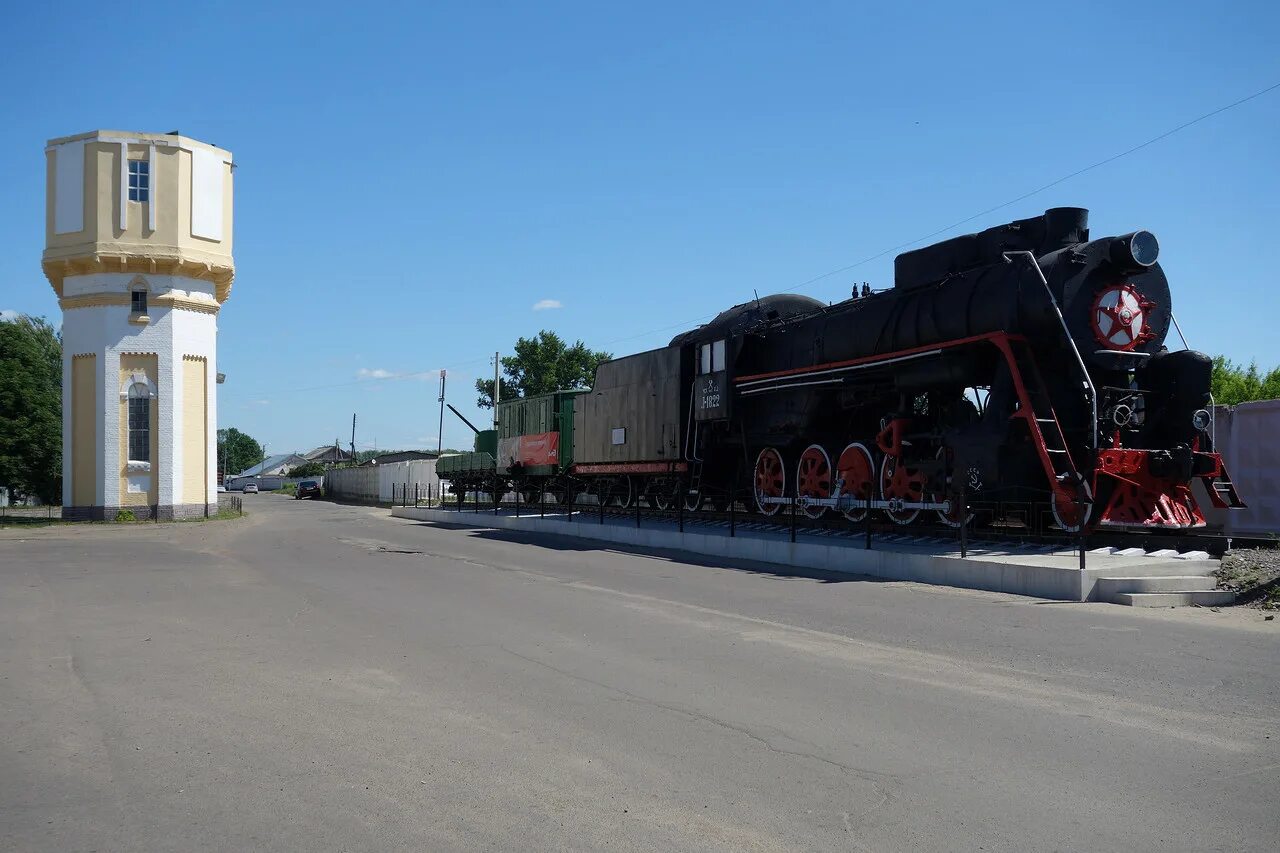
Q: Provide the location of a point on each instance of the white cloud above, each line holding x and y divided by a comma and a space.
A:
6, 314
375, 373
544, 304
262, 402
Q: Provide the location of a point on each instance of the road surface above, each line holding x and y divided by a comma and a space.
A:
320, 677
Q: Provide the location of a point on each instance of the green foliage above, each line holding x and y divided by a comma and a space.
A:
125, 515
238, 449
31, 408
1234, 383
541, 365
310, 469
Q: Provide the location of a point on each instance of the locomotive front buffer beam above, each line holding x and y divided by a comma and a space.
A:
845, 503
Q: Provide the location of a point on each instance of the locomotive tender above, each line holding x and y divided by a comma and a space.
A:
1022, 363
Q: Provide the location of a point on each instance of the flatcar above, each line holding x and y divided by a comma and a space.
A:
1026, 362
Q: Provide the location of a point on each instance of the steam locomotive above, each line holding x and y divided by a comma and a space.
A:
1022, 363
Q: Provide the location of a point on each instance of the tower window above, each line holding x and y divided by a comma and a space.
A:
139, 180
139, 424
138, 302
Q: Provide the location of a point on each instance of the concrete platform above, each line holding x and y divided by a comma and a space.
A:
1039, 572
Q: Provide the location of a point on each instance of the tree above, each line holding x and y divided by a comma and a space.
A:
31, 408
238, 450
309, 469
541, 365
1234, 383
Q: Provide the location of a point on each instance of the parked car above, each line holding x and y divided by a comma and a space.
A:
250, 488
307, 489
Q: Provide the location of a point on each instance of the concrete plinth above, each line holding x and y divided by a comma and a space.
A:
1042, 575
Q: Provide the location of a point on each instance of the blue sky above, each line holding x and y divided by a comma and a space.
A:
413, 181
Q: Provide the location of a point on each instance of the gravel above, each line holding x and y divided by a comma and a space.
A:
1255, 574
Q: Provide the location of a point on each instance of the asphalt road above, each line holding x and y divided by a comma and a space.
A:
317, 677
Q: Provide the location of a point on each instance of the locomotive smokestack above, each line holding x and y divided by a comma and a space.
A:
1065, 226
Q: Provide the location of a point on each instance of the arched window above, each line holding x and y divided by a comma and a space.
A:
139, 423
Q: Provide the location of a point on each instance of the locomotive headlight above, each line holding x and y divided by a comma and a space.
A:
1201, 420
1135, 251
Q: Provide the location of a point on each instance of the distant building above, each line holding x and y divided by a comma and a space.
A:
280, 464
328, 454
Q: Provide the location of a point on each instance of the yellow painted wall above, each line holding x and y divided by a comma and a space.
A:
84, 444
171, 190
195, 431
131, 363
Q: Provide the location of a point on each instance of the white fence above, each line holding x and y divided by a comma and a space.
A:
1248, 437
375, 483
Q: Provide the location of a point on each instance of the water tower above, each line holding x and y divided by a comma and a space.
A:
138, 250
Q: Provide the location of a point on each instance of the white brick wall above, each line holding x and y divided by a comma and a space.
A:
170, 334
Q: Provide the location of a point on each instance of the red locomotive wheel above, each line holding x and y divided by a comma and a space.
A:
770, 481
903, 483
857, 470
813, 478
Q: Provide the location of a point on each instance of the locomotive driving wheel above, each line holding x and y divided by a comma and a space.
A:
898, 481
813, 478
770, 480
858, 471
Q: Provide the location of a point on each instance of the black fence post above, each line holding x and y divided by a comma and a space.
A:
600, 498
517, 502
733, 512
680, 506
793, 519
636, 498
1080, 515
573, 500
542, 500
867, 520
497, 496
964, 520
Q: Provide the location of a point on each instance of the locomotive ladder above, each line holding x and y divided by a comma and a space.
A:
1036, 409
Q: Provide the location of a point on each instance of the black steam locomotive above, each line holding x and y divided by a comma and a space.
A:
1025, 362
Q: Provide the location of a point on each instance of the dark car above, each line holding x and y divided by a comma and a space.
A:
308, 489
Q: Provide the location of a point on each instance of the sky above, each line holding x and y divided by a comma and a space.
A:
418, 185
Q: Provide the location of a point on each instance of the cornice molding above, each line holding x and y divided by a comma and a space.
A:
183, 303
93, 300
98, 300
220, 275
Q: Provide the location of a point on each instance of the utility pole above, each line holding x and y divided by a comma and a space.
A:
440, 435
353, 438
497, 388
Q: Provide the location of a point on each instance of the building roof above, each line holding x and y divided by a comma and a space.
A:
273, 462
328, 449
401, 456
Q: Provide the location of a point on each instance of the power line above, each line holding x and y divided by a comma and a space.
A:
802, 285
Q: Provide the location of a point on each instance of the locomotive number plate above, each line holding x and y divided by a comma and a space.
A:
711, 396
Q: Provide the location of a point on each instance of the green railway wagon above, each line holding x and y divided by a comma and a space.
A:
535, 435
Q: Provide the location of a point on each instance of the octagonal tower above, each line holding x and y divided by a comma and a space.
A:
138, 249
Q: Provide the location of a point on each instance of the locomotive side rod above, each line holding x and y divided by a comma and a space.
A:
848, 502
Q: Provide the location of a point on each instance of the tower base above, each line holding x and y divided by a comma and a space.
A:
143, 512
